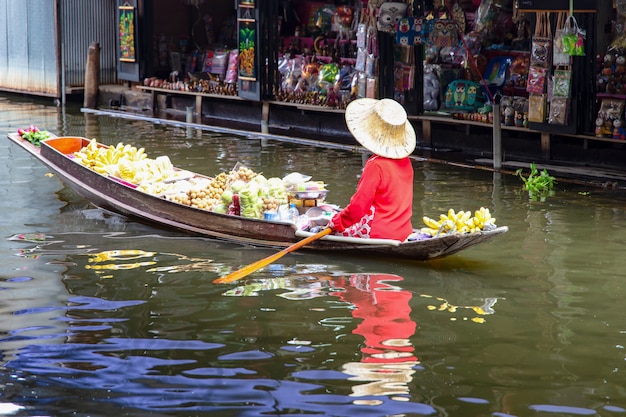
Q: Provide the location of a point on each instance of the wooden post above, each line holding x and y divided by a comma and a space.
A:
545, 146
265, 117
189, 119
92, 73
427, 133
497, 133
92, 127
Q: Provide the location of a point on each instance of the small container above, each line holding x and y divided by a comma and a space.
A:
293, 213
271, 215
318, 217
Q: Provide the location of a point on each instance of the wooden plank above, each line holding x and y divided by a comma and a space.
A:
427, 138
545, 145
154, 102
198, 109
265, 117
186, 93
579, 6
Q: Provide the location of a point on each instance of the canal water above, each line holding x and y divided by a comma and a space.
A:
101, 315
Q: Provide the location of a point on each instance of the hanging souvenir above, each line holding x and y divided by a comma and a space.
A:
389, 14
558, 111
409, 31
541, 45
463, 95
536, 80
574, 38
562, 81
444, 33
537, 108
559, 57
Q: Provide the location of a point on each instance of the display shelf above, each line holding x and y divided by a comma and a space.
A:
307, 107
427, 120
199, 97
185, 92
609, 95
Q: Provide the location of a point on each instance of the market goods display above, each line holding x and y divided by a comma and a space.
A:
105, 160
33, 134
459, 222
241, 191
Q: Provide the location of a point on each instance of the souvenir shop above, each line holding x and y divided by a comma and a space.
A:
555, 67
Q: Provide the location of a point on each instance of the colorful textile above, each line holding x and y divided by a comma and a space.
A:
382, 204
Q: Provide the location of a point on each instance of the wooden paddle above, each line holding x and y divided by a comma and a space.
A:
240, 273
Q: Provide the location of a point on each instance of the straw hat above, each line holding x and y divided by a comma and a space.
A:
381, 126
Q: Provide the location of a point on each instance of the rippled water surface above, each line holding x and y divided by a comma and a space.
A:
101, 316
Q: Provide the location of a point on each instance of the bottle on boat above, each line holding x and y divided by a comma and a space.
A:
293, 213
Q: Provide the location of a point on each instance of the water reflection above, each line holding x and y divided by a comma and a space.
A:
388, 358
100, 354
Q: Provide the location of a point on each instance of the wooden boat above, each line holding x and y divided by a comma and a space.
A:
123, 198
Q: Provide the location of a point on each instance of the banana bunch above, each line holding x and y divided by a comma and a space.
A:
154, 170
105, 160
459, 222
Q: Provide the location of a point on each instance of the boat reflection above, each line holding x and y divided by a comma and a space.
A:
388, 360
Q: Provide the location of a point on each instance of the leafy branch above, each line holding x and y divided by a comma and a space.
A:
539, 185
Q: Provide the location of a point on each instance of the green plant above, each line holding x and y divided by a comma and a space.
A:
538, 184
33, 135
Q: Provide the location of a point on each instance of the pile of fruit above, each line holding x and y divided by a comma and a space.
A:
459, 222
240, 191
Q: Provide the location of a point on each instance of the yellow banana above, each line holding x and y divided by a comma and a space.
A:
428, 231
431, 222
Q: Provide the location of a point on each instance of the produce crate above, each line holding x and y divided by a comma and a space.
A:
65, 144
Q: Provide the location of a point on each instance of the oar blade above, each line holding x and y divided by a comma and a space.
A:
255, 266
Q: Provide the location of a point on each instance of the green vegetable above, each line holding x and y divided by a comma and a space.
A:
33, 135
237, 186
538, 184
220, 208
227, 197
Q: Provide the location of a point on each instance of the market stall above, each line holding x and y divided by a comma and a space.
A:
446, 61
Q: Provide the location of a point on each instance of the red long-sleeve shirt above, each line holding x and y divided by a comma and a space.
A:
386, 189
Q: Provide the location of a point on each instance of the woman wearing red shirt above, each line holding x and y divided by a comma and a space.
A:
382, 204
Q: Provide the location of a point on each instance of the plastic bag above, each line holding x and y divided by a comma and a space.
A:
574, 38
536, 80
537, 108
431, 88
558, 56
559, 107
233, 62
562, 83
